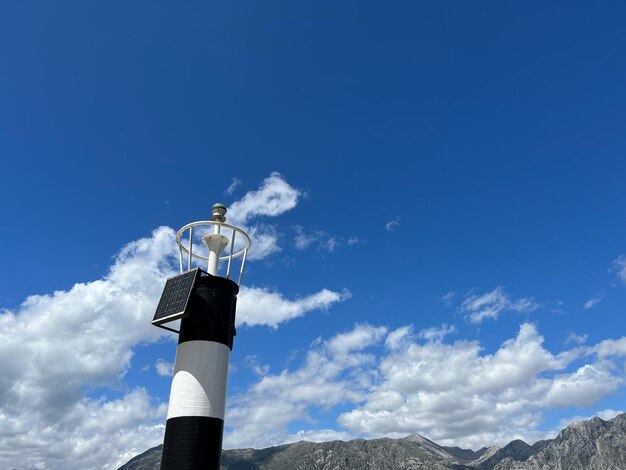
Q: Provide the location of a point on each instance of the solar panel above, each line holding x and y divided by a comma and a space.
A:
175, 297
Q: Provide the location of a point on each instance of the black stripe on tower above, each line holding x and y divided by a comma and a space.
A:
192, 442
212, 312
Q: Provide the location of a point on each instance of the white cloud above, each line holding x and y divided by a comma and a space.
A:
437, 333
303, 240
321, 239
273, 198
329, 244
392, 225
55, 348
448, 298
233, 186
334, 372
593, 301
573, 338
260, 306
453, 393
398, 338
264, 241
581, 388
602, 414
63, 354
321, 435
361, 337
436, 366
253, 364
353, 240
608, 414
164, 368
610, 347
457, 395
619, 267
479, 307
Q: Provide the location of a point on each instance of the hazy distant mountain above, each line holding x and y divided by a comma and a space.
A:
586, 445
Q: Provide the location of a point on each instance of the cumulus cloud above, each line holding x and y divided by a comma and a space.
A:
458, 395
264, 240
358, 339
261, 306
437, 333
607, 414
63, 358
479, 307
603, 414
573, 338
581, 388
454, 393
334, 372
164, 368
56, 348
321, 435
397, 338
610, 348
274, 197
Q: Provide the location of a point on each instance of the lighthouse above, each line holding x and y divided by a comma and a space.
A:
203, 305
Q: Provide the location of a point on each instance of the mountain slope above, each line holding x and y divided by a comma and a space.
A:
517, 451
585, 445
149, 460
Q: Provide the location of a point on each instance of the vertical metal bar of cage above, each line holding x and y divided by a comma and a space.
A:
190, 248
180, 257
243, 263
230, 257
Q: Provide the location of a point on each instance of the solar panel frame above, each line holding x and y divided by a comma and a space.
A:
174, 300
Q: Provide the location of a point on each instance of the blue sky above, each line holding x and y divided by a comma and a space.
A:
436, 195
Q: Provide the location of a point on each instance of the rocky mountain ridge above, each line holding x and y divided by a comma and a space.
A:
586, 445
590, 445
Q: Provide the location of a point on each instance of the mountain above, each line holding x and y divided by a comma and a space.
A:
149, 460
584, 445
517, 451
467, 454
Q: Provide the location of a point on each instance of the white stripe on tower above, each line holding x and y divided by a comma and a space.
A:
199, 383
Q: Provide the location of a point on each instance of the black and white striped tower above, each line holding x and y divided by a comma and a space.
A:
205, 304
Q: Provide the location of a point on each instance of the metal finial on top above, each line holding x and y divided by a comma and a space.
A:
219, 213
